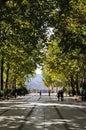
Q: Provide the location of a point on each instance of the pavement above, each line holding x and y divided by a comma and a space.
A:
35, 112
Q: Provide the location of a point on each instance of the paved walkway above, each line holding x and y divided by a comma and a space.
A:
32, 112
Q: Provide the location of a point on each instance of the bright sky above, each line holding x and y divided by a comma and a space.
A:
38, 71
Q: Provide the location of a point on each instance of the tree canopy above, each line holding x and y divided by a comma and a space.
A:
25, 39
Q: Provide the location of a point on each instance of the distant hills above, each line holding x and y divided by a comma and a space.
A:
36, 83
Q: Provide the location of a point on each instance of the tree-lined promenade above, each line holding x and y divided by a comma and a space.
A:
42, 113
26, 42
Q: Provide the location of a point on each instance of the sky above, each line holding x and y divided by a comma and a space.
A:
38, 71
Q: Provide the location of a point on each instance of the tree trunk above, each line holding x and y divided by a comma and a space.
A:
14, 87
77, 86
72, 85
7, 77
2, 70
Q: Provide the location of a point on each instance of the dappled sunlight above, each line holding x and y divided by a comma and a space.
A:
40, 124
56, 104
56, 121
20, 106
16, 106
11, 117
42, 113
3, 108
79, 118
11, 121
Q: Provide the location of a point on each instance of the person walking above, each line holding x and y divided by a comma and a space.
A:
40, 93
60, 93
49, 92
